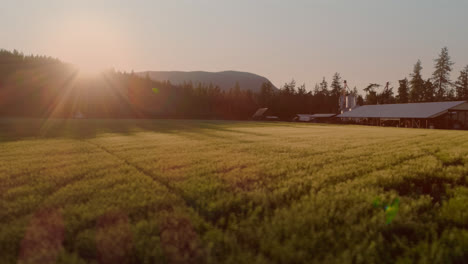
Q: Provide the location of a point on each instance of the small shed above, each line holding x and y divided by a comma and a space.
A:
78, 115
316, 118
261, 114
303, 118
323, 118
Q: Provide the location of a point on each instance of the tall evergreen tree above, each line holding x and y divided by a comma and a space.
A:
289, 88
416, 83
301, 90
335, 87
324, 87
316, 89
266, 94
441, 76
403, 93
429, 91
462, 85
335, 92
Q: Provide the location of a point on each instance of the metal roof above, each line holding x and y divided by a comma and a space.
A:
316, 115
323, 115
411, 110
260, 112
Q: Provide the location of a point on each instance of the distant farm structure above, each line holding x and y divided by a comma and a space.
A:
347, 101
78, 115
442, 115
446, 115
262, 114
315, 118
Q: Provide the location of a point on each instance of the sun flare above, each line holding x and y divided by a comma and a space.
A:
92, 45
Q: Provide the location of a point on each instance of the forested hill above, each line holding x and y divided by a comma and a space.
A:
224, 80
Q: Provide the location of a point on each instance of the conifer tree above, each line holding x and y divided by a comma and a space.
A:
301, 90
403, 94
324, 87
461, 85
416, 83
336, 85
266, 94
441, 76
429, 91
316, 89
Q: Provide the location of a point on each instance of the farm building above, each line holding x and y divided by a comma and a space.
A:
302, 118
261, 114
347, 103
323, 118
78, 115
451, 115
316, 118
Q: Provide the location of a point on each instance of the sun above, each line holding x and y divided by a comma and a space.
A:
91, 45
88, 69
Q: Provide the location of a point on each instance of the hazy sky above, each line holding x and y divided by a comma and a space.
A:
365, 40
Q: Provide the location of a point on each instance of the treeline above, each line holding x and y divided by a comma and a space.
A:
438, 87
38, 86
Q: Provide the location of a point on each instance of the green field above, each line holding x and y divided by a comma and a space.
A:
146, 191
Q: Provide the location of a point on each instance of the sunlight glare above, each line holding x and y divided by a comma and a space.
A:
92, 45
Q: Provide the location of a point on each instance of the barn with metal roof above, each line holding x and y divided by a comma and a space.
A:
421, 115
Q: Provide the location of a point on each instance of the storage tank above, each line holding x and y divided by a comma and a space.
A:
350, 101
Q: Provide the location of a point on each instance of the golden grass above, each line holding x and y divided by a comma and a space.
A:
175, 191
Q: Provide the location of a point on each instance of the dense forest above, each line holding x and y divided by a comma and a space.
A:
38, 86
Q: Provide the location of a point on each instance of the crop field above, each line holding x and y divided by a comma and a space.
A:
175, 191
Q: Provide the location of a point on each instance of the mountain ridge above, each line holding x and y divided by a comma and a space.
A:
224, 79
